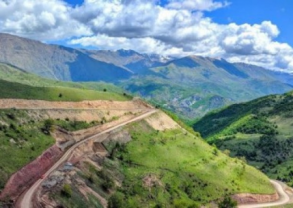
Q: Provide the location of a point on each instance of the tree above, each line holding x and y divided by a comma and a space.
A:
48, 126
227, 202
105, 90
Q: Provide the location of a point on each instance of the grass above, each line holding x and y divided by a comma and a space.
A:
20, 91
75, 125
188, 171
21, 141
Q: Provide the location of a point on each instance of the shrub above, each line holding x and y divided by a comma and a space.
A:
48, 126
116, 200
108, 184
227, 202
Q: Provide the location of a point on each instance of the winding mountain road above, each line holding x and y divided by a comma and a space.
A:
26, 200
284, 198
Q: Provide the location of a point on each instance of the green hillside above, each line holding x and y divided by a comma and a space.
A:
187, 170
260, 130
170, 168
20, 91
186, 167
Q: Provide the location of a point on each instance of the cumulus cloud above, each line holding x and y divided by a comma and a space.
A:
250, 39
178, 28
43, 20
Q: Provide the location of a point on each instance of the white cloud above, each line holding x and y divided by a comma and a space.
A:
143, 45
43, 20
179, 28
197, 5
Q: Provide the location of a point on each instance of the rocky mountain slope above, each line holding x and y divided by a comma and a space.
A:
190, 86
56, 62
260, 131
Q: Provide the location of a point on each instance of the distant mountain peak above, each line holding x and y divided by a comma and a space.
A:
124, 52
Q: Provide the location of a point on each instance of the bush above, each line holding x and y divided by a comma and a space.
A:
227, 202
48, 126
108, 184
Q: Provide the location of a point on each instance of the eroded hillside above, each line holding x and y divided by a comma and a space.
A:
26, 126
149, 162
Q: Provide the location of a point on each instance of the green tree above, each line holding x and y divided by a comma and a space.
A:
48, 126
227, 202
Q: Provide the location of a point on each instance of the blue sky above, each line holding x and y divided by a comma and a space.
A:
279, 12
257, 32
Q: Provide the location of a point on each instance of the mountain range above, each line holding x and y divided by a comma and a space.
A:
190, 86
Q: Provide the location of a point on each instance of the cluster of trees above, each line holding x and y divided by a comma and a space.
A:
258, 125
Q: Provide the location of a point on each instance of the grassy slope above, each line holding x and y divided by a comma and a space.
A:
11, 74
16, 90
189, 171
260, 130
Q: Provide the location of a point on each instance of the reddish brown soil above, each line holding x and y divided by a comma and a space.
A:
255, 198
26, 176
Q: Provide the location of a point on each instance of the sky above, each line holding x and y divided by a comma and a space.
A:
256, 32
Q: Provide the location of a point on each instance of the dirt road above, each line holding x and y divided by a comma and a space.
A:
284, 198
26, 201
66, 105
